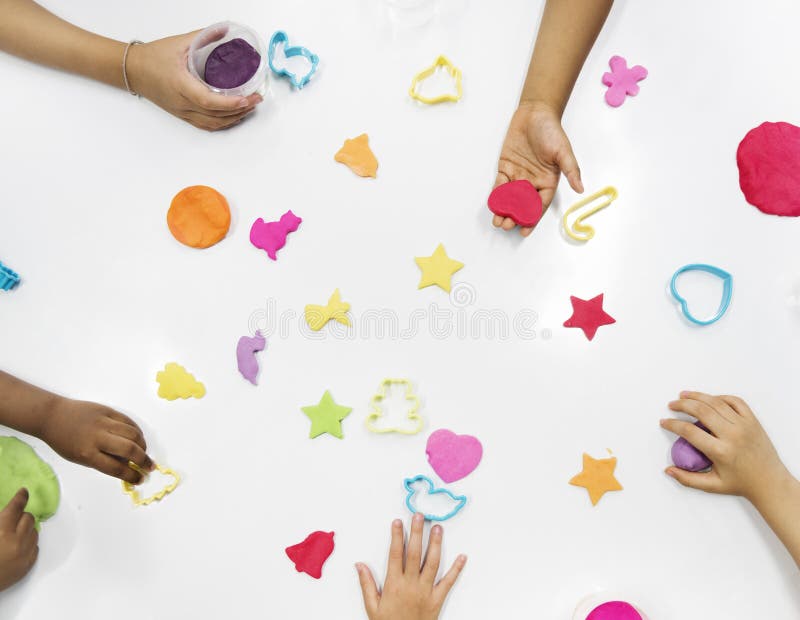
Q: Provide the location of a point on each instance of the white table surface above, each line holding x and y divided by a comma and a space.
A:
109, 297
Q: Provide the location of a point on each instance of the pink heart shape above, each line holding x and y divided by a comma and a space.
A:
518, 200
452, 456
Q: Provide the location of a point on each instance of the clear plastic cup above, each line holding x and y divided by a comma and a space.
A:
411, 13
217, 34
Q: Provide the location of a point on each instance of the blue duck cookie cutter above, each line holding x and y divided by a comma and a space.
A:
291, 51
461, 500
8, 278
727, 291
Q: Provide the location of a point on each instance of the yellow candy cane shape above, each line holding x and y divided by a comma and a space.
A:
578, 226
131, 490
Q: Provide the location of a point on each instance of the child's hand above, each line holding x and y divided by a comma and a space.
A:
158, 71
537, 149
19, 540
744, 460
97, 436
410, 593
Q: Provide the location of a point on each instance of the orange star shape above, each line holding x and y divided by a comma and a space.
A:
597, 477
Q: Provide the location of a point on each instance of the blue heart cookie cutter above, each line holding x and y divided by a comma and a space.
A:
461, 500
291, 51
8, 278
727, 291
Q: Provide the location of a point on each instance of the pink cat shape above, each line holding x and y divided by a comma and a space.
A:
271, 236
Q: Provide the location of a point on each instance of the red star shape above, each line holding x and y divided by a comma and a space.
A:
588, 315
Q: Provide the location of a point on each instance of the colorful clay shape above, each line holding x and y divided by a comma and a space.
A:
457, 502
597, 477
437, 269
8, 278
336, 309
309, 556
291, 51
176, 382
588, 315
768, 158
356, 155
686, 456
452, 456
326, 417
440, 63
20, 467
231, 64
518, 200
246, 360
622, 82
199, 216
614, 610
271, 236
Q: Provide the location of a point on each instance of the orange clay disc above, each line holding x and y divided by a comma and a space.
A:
199, 216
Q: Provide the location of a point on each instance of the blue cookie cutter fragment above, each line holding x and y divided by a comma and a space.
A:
290, 51
727, 290
8, 278
461, 500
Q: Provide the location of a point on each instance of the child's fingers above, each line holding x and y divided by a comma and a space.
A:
12, 513
508, 224
525, 231
700, 439
213, 123
497, 220
115, 468
433, 556
739, 406
414, 554
716, 403
369, 589
702, 481
565, 159
448, 581
501, 178
125, 450
395, 567
712, 420
128, 431
26, 525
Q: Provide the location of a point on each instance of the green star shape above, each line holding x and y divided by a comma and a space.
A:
326, 417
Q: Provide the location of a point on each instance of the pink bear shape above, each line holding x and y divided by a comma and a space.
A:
622, 81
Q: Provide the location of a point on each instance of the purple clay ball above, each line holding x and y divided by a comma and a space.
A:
686, 456
231, 64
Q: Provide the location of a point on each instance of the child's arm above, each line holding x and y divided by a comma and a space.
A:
410, 593
744, 461
536, 147
156, 70
82, 432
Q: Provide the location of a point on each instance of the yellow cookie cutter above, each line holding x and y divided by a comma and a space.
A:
376, 413
578, 226
455, 73
134, 493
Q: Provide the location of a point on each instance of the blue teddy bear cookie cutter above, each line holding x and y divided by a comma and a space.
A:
461, 500
290, 52
727, 291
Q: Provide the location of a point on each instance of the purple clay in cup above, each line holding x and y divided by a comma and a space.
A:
686, 456
231, 64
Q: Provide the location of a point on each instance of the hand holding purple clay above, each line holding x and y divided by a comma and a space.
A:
687, 457
231, 64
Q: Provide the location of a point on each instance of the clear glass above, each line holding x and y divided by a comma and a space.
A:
217, 34
411, 13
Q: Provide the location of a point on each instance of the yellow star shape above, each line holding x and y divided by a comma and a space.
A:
597, 477
437, 269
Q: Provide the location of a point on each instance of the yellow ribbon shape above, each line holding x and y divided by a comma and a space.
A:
317, 316
578, 226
